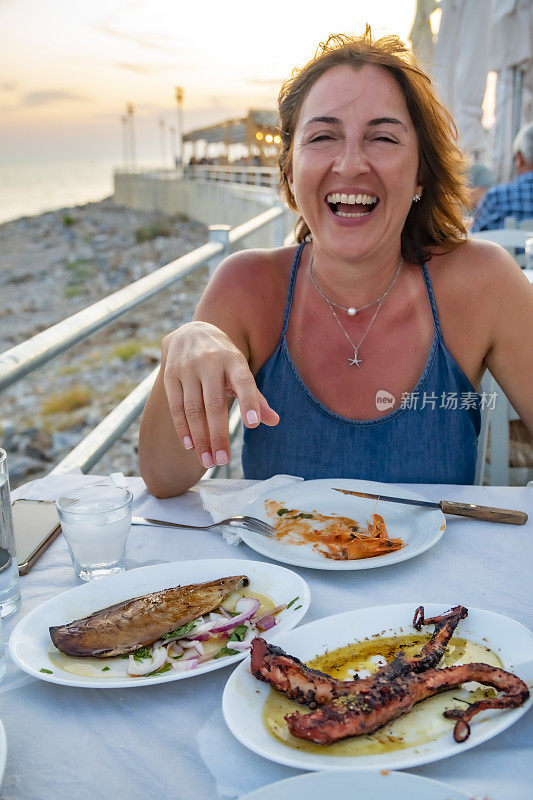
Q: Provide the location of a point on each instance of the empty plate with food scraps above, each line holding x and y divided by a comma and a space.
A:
158, 623
388, 687
321, 528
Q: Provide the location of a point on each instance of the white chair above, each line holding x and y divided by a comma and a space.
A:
512, 239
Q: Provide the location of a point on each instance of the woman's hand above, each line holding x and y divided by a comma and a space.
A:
202, 368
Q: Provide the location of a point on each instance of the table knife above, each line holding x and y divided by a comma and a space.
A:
486, 513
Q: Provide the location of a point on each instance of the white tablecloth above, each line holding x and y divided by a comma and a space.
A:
170, 741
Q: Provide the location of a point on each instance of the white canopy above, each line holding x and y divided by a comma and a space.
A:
476, 36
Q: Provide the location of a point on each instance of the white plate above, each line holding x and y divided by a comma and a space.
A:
374, 785
3, 751
244, 696
420, 528
30, 641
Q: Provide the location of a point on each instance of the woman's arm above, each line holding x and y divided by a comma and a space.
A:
204, 365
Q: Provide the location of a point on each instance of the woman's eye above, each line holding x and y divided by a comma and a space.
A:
321, 137
385, 139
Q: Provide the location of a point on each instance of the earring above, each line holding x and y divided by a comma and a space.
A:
417, 198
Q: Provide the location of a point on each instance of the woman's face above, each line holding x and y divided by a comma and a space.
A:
355, 162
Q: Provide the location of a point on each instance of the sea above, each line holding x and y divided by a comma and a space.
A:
29, 188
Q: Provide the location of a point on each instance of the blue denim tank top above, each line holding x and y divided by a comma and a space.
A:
430, 438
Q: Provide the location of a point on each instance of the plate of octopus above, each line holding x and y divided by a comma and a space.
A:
319, 524
388, 687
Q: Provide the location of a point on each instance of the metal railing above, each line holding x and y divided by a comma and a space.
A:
251, 176
24, 358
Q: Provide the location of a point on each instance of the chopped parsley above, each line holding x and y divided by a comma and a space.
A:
143, 652
296, 608
303, 516
294, 599
180, 631
48, 671
238, 633
282, 511
105, 669
226, 651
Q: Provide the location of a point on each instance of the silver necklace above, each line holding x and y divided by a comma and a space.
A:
355, 361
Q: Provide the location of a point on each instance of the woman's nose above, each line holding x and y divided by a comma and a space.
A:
351, 159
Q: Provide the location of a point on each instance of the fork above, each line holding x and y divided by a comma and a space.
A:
249, 523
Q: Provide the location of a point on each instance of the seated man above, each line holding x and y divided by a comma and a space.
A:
514, 199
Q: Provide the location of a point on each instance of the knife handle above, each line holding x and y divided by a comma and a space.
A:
486, 513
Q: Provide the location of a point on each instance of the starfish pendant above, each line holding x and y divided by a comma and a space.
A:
355, 360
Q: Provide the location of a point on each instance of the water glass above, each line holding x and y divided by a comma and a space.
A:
96, 521
9, 571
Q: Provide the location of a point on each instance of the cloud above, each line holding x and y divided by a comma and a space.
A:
147, 69
265, 81
8, 87
160, 42
47, 97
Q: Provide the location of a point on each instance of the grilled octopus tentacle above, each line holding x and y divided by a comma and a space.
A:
383, 701
310, 687
445, 625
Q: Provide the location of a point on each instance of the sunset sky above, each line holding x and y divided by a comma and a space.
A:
67, 69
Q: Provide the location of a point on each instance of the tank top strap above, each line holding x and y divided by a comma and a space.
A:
292, 282
432, 302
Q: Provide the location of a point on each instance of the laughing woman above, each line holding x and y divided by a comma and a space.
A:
358, 352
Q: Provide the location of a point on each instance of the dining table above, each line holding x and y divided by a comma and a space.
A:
170, 741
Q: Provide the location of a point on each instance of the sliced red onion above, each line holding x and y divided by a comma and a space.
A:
192, 652
196, 637
246, 642
247, 606
277, 609
214, 617
174, 649
225, 613
194, 644
266, 622
146, 665
184, 666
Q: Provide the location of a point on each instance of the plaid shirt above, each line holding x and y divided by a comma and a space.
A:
513, 199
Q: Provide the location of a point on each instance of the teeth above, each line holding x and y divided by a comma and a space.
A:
351, 199
355, 214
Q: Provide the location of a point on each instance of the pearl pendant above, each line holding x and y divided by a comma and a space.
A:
352, 311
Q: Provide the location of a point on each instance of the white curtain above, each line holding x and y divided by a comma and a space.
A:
511, 56
459, 70
421, 35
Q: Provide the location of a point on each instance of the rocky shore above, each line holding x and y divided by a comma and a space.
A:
56, 264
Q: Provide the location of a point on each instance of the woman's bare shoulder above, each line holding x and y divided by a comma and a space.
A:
476, 266
262, 266
245, 297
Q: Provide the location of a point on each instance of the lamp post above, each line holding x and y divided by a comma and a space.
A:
125, 153
179, 92
163, 142
172, 138
129, 111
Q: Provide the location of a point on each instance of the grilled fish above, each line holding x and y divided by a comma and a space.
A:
127, 626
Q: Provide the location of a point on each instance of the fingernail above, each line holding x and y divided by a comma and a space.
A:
221, 457
187, 443
207, 461
252, 418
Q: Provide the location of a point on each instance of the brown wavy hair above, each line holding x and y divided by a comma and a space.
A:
437, 220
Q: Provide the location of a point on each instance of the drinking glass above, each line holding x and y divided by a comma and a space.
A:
9, 571
96, 521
